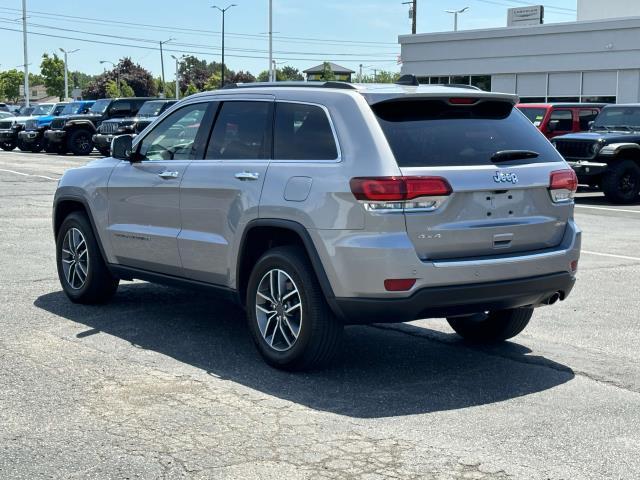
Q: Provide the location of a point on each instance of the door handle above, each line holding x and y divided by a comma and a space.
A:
247, 176
168, 175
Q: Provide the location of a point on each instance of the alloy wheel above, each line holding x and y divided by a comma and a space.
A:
75, 258
279, 310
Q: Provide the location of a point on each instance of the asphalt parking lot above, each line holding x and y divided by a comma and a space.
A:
164, 383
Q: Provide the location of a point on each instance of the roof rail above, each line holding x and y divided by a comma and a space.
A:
312, 84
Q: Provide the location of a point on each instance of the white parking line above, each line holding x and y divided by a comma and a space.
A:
29, 174
608, 209
623, 257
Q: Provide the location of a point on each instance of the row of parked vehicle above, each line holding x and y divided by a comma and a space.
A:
600, 142
78, 127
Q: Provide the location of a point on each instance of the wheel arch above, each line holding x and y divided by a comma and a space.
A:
263, 234
66, 205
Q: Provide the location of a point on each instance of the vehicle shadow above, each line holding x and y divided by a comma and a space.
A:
381, 373
595, 197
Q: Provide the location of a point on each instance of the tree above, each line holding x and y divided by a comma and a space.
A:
139, 79
290, 73
190, 90
52, 69
112, 90
327, 73
263, 76
213, 83
240, 77
11, 81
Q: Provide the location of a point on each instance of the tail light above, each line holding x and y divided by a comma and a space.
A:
399, 284
463, 101
400, 193
563, 185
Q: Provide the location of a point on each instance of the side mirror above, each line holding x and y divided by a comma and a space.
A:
122, 148
591, 124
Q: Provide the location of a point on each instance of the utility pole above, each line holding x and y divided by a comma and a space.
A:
177, 76
413, 14
66, 71
26, 55
162, 65
272, 73
223, 10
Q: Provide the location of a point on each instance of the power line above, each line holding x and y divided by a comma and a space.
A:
57, 16
384, 61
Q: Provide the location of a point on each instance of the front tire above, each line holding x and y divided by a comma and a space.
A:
492, 327
80, 143
105, 152
289, 319
8, 146
23, 146
621, 182
82, 271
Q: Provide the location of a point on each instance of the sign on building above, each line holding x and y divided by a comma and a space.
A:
523, 16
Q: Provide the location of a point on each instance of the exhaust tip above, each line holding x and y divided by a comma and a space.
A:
552, 299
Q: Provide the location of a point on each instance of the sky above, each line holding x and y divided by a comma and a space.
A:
306, 32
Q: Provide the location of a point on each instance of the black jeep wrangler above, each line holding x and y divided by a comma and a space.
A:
130, 125
74, 133
608, 155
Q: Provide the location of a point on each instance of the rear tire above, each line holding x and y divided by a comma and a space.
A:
492, 327
82, 271
80, 143
291, 338
621, 182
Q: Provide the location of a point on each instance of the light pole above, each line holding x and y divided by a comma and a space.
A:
360, 74
177, 75
66, 71
162, 64
223, 10
272, 68
455, 14
26, 54
115, 68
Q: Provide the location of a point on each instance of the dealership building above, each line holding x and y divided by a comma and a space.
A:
596, 59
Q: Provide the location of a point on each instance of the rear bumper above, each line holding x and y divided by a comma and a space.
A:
449, 301
55, 136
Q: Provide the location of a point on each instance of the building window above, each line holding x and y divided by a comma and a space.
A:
439, 80
532, 100
605, 99
483, 82
563, 99
461, 80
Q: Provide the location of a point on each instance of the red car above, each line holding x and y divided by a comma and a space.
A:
554, 119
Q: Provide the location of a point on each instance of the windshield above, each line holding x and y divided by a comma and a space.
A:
151, 109
25, 111
43, 110
426, 133
71, 108
100, 106
536, 115
618, 117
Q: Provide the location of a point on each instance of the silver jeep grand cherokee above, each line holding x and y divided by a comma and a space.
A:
315, 205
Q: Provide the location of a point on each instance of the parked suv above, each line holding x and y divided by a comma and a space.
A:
131, 125
32, 137
554, 119
320, 205
10, 128
74, 133
608, 155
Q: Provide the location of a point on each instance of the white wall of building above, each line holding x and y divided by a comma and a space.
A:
578, 60
603, 9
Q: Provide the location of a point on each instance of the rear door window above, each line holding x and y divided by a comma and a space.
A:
586, 117
431, 133
242, 131
303, 132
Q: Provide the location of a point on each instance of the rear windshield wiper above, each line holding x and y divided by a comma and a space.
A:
508, 155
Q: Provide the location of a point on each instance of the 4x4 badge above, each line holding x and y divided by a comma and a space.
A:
501, 177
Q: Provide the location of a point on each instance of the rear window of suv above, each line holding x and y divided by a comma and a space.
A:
432, 133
